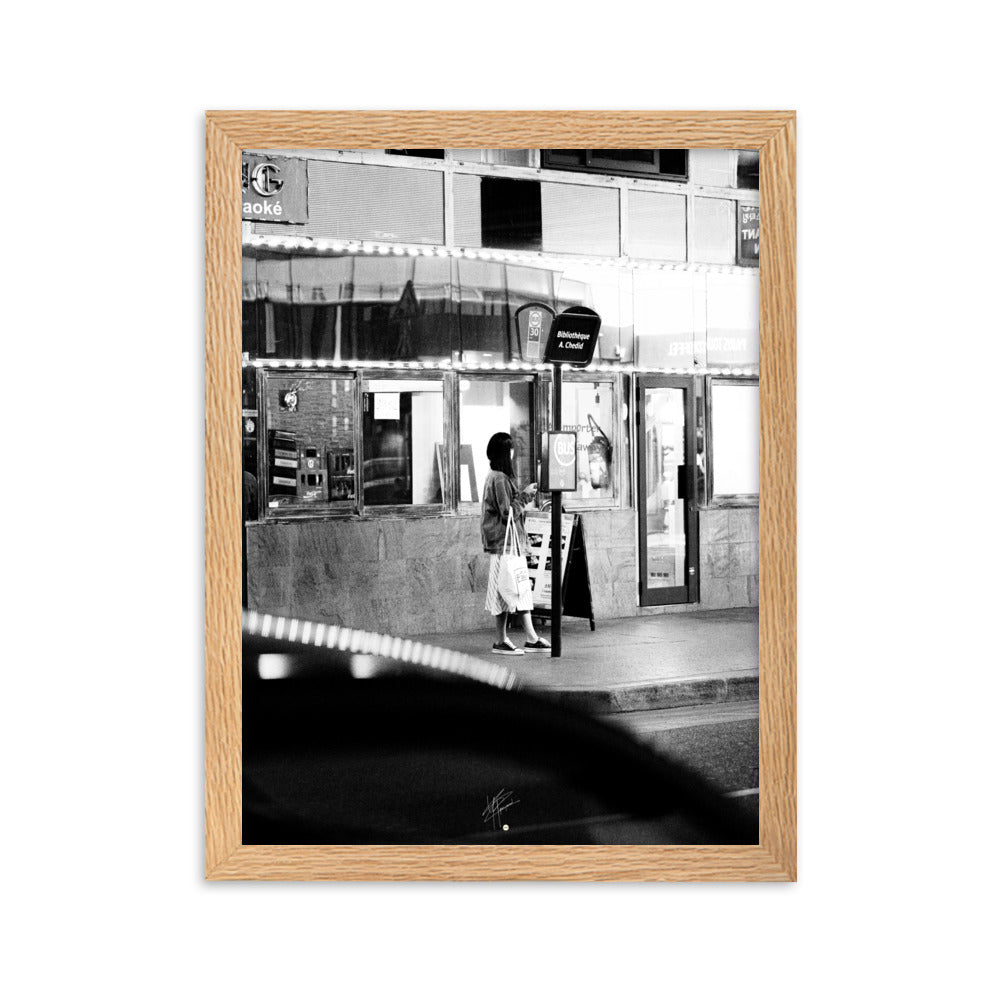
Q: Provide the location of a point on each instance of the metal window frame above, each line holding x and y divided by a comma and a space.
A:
619, 500
338, 509
468, 507
357, 509
447, 506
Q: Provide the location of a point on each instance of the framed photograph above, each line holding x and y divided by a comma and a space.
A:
365, 364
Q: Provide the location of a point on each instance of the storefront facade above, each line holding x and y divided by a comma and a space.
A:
396, 308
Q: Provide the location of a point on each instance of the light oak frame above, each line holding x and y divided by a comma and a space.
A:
227, 133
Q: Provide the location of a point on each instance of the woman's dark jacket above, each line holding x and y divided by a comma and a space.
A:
499, 496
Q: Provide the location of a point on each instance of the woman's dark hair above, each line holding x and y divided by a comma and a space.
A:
498, 452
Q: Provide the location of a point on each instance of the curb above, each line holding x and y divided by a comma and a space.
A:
644, 696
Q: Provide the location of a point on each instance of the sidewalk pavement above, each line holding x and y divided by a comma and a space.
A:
631, 664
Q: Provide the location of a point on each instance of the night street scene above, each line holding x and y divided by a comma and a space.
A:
468, 373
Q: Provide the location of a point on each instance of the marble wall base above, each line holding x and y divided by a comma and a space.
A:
428, 575
729, 557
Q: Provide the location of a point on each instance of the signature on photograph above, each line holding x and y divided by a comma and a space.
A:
496, 806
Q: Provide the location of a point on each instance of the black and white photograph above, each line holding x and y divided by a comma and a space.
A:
452, 358
258, 349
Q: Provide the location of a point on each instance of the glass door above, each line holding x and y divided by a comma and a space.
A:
667, 501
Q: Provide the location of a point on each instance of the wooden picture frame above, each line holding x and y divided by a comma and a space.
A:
227, 134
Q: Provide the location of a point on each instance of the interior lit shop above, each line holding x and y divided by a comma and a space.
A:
396, 307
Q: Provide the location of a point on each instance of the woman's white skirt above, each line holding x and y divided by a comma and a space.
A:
495, 603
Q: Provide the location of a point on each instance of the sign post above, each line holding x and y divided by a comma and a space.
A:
572, 339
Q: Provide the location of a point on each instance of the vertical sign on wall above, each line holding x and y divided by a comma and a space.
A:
747, 234
274, 189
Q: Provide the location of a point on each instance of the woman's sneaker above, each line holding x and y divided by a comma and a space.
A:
507, 648
538, 646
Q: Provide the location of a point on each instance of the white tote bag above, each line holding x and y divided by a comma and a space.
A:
515, 584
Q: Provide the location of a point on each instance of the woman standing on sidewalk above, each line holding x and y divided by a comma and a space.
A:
501, 495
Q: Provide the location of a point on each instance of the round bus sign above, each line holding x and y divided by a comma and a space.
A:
565, 448
559, 462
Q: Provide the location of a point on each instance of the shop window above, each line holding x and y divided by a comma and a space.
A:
308, 465
419, 307
400, 310
668, 329
529, 285
488, 405
732, 316
431, 154
589, 409
666, 163
511, 214
250, 306
404, 460
485, 325
734, 422
564, 157
748, 169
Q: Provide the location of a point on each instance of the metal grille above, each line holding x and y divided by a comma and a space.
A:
354, 201
657, 225
577, 219
713, 237
712, 166
468, 211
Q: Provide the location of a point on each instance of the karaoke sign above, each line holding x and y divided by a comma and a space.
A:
275, 189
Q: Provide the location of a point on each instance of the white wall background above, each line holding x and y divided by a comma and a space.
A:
102, 709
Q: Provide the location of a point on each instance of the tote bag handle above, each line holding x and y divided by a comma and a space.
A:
595, 429
510, 536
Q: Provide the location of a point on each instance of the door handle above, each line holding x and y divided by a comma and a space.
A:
685, 482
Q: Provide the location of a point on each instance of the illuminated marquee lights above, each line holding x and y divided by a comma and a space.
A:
354, 247
311, 634
486, 366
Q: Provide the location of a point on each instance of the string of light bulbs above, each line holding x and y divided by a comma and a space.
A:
329, 247
602, 368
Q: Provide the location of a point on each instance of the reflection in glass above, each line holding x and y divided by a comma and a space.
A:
485, 320
665, 453
667, 325
401, 307
608, 291
310, 441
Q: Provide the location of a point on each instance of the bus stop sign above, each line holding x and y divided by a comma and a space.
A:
558, 462
573, 337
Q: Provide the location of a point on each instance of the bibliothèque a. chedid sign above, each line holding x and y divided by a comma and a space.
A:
573, 337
